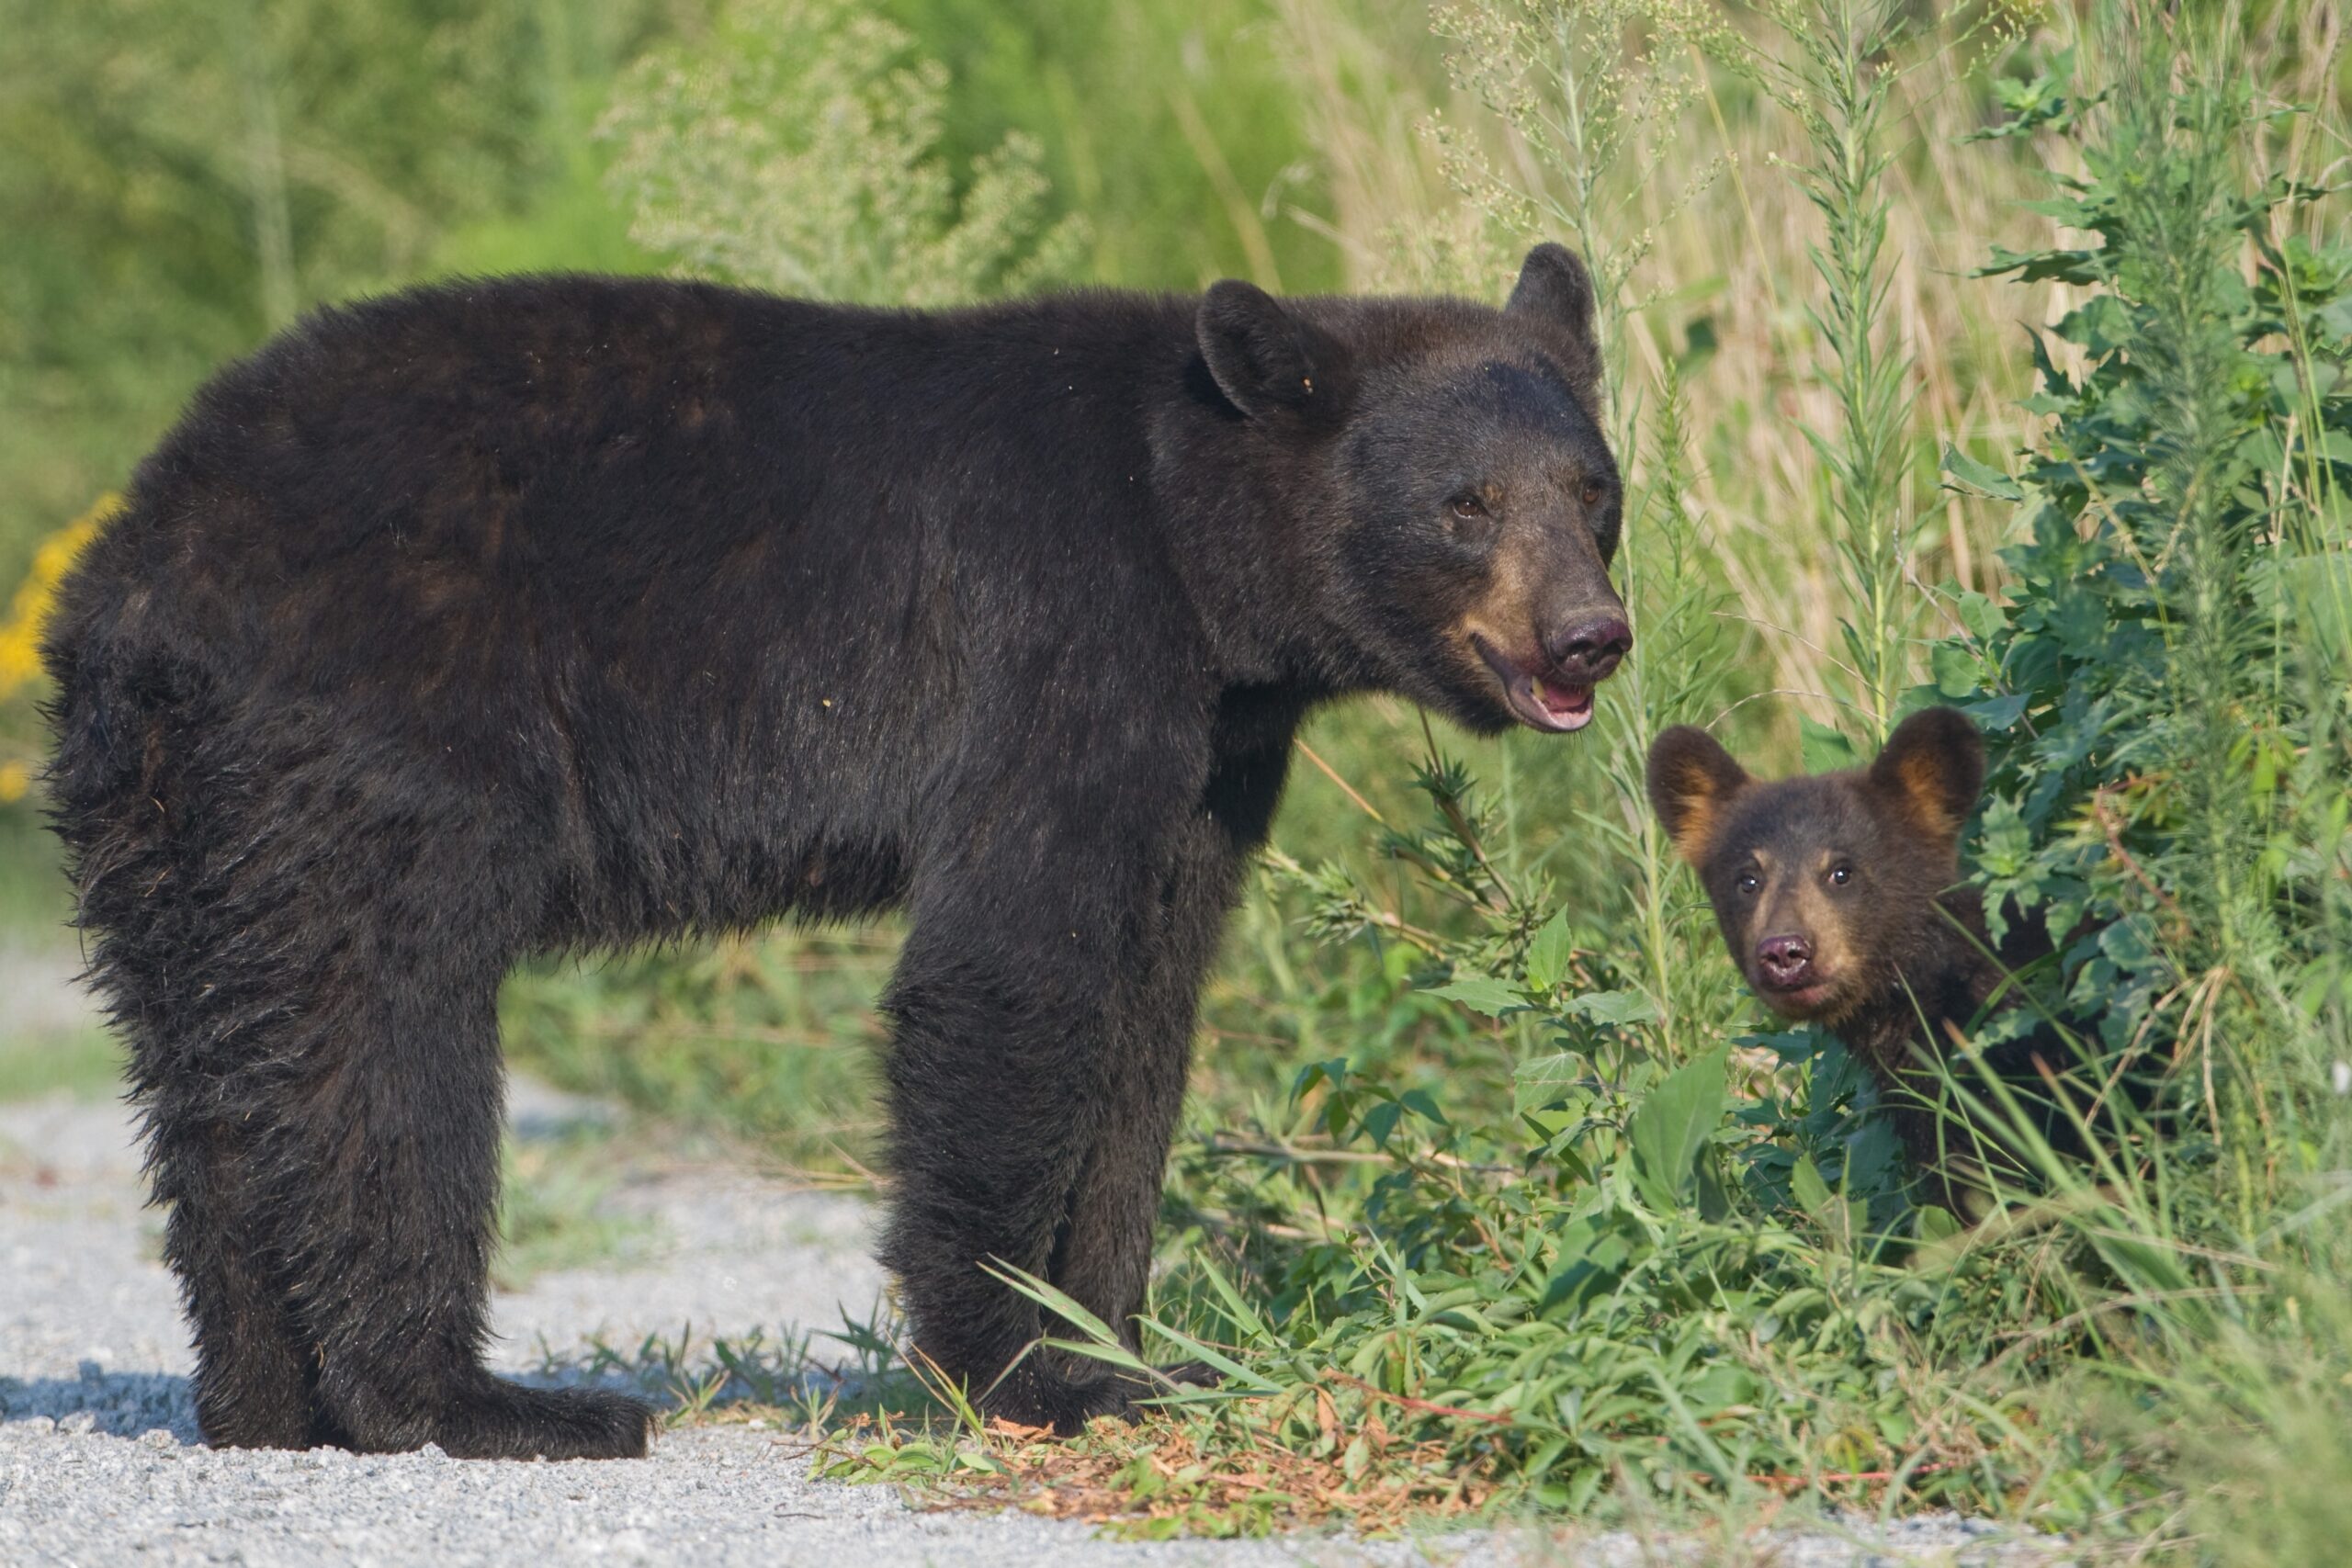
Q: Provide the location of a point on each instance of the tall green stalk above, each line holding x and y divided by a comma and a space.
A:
1837, 77
1588, 86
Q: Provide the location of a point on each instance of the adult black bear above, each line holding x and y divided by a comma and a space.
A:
500, 618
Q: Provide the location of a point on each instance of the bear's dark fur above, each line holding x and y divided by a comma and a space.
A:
1836, 895
502, 618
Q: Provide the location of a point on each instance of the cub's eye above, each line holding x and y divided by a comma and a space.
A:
1465, 508
1748, 882
1840, 875
1590, 494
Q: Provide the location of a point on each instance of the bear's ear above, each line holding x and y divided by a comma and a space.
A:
1262, 357
1555, 286
1691, 779
1933, 769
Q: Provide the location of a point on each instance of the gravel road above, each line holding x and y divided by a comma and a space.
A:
100, 1462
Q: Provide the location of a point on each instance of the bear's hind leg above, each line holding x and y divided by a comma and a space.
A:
391, 1163
255, 1388
203, 1024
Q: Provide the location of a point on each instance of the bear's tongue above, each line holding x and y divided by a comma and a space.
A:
1566, 707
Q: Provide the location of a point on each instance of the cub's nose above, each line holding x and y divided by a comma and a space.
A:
1586, 652
1785, 959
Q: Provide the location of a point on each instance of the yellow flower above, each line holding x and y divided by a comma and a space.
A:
16, 778
20, 638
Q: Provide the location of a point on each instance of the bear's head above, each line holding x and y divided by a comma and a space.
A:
1462, 503
1826, 886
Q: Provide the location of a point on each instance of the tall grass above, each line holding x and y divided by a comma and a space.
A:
1603, 1278
2164, 677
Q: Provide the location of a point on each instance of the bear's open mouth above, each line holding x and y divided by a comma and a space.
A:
1540, 702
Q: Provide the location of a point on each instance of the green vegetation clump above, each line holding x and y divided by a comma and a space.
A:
847, 196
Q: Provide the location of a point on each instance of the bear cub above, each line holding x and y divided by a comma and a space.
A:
1836, 894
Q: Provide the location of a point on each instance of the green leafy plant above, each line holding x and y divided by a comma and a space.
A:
795, 148
1669, 1259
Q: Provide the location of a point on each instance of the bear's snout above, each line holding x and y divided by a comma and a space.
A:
1786, 961
1588, 650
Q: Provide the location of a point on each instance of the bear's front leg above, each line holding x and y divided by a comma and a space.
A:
1104, 1261
1008, 1005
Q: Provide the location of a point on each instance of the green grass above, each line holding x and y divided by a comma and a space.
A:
1476, 1174
84, 1063
554, 1207
814, 1380
769, 1040
35, 901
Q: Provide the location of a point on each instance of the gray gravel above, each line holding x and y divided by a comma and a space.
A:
101, 1461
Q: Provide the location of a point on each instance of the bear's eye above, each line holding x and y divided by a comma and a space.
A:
1590, 494
1840, 875
1748, 882
1465, 508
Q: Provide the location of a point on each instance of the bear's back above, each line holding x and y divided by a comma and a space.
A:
604, 462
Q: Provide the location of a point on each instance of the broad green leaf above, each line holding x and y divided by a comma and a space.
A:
1806, 1186
1997, 713
1494, 998
1543, 1080
1958, 669
1593, 1251
1673, 1122
1619, 1008
1792, 1046
1980, 479
1980, 615
1825, 749
1547, 955
1420, 1103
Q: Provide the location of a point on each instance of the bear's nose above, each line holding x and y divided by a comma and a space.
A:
1785, 959
1586, 652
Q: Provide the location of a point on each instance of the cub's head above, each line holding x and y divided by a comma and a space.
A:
1823, 885
1463, 506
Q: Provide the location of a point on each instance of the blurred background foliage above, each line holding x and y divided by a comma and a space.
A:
1861, 471
178, 180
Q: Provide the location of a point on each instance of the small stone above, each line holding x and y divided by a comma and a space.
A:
158, 1438
78, 1423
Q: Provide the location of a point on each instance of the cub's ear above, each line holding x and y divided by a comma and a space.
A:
1691, 779
1554, 286
1933, 767
1263, 357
